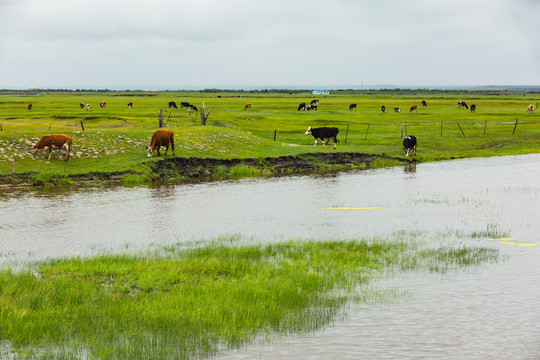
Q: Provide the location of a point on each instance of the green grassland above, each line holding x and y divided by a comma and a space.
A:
197, 300
115, 137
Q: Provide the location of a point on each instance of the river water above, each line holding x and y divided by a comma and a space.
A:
489, 313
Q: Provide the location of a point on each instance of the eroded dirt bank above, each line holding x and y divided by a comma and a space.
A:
176, 168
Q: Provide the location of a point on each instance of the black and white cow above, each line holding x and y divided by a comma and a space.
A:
352, 106
424, 104
462, 104
192, 107
409, 145
314, 102
383, 108
130, 105
397, 109
473, 108
302, 107
324, 133
172, 105
184, 104
311, 107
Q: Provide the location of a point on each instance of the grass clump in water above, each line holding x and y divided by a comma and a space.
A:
185, 302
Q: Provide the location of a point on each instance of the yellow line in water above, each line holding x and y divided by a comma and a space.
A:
503, 239
355, 208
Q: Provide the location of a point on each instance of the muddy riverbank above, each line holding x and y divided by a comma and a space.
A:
193, 168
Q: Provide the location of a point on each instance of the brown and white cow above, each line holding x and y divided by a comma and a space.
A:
414, 108
81, 105
29, 106
530, 109
51, 141
396, 109
102, 104
247, 106
159, 139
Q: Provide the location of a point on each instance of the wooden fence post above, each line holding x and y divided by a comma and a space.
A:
441, 128
401, 131
275, 133
346, 133
367, 132
485, 126
460, 129
515, 126
160, 112
82, 125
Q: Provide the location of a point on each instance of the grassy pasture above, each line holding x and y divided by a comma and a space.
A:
115, 137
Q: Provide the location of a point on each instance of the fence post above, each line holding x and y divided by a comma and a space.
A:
0, 127
275, 133
441, 128
160, 112
346, 133
401, 131
460, 129
485, 126
82, 125
515, 126
367, 132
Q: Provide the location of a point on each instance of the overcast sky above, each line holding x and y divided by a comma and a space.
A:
186, 44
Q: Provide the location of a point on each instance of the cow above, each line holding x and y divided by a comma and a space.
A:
352, 106
414, 108
311, 107
424, 104
29, 106
247, 106
473, 108
314, 102
54, 140
530, 109
102, 104
172, 105
462, 104
409, 145
324, 133
302, 107
81, 105
130, 105
184, 104
383, 108
192, 107
396, 109
159, 139
87, 107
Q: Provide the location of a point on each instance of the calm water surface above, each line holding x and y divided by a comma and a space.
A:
489, 313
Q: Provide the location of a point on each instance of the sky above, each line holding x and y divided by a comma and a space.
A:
196, 44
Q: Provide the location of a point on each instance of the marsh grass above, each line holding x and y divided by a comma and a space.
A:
198, 299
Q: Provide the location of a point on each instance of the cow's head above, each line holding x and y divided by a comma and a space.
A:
308, 131
150, 151
408, 151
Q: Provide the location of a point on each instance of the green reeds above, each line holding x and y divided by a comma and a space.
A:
183, 302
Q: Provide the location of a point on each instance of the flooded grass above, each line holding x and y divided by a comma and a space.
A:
198, 299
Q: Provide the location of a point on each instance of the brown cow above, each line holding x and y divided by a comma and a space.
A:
54, 140
414, 108
103, 104
247, 106
29, 106
81, 105
159, 139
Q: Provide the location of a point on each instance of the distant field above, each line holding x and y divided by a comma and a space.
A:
115, 137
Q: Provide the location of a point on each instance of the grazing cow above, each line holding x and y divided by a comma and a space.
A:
324, 133
311, 107
396, 109
314, 102
159, 139
473, 108
184, 104
172, 104
29, 106
530, 109
192, 107
409, 145
352, 106
462, 104
414, 108
424, 104
54, 140
87, 107
102, 104
130, 105
302, 107
247, 106
81, 105
383, 108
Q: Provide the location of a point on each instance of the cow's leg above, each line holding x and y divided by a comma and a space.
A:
157, 149
323, 143
172, 146
166, 149
335, 142
50, 152
414, 148
68, 149
315, 143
